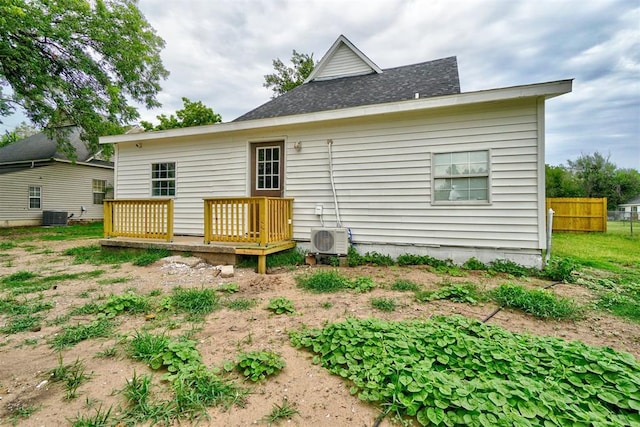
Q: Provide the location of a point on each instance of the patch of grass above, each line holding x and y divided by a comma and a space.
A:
195, 302
456, 292
71, 335
150, 256
147, 347
538, 302
361, 284
281, 306
24, 282
289, 258
142, 408
95, 255
240, 304
4, 246
13, 306
76, 231
100, 419
107, 353
621, 305
21, 412
72, 376
22, 323
326, 304
384, 304
323, 281
405, 285
411, 259
278, 413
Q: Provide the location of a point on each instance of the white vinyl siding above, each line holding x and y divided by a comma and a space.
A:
65, 187
383, 175
204, 168
344, 63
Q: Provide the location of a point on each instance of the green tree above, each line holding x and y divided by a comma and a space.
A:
286, 78
626, 185
23, 130
560, 182
78, 61
193, 114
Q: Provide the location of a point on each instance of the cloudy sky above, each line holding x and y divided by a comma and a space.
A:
218, 52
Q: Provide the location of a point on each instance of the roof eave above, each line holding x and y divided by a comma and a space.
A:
341, 40
545, 90
52, 160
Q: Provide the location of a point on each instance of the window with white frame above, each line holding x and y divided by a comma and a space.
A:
99, 189
268, 165
461, 176
163, 179
35, 197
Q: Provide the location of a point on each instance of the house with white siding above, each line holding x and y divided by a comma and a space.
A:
399, 160
39, 182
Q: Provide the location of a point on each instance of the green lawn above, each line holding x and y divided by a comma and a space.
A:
76, 231
616, 250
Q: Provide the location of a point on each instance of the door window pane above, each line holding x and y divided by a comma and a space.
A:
268, 168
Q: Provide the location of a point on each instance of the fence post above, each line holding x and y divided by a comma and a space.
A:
207, 222
170, 220
549, 234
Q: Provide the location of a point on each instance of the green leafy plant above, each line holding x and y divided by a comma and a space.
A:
458, 371
538, 302
509, 267
354, 259
560, 269
7, 245
257, 365
228, 288
411, 259
361, 284
278, 413
384, 304
405, 285
474, 264
281, 306
458, 292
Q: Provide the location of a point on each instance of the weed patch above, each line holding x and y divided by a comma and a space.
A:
384, 304
258, 365
404, 285
195, 302
281, 306
537, 302
323, 281
458, 292
457, 371
71, 335
240, 304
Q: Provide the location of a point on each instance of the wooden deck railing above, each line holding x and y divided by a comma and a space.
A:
140, 218
261, 220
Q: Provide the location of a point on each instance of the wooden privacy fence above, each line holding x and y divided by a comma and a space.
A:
579, 214
260, 220
140, 218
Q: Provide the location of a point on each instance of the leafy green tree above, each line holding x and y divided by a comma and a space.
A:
286, 78
193, 114
560, 182
78, 61
23, 130
626, 185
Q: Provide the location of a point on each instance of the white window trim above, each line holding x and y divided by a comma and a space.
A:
175, 179
280, 154
461, 202
29, 197
94, 192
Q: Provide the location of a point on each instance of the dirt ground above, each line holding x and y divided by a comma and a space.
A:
321, 399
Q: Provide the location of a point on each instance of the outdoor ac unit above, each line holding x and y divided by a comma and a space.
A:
333, 241
50, 218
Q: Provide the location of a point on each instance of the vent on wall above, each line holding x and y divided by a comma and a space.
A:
50, 218
333, 241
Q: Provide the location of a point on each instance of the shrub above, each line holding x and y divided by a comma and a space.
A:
560, 269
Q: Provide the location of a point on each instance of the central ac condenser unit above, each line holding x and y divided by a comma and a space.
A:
330, 241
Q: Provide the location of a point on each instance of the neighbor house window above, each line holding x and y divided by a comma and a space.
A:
35, 197
268, 171
461, 177
99, 188
163, 179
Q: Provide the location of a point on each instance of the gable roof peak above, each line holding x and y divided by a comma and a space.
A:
343, 59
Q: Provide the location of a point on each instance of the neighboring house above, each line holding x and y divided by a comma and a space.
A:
632, 206
35, 177
400, 157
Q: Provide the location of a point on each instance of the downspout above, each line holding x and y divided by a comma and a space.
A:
333, 184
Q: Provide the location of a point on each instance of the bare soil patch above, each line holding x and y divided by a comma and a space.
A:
321, 399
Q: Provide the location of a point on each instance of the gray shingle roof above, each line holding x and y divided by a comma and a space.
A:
432, 78
40, 146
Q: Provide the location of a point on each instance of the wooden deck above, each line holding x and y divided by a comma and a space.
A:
214, 253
